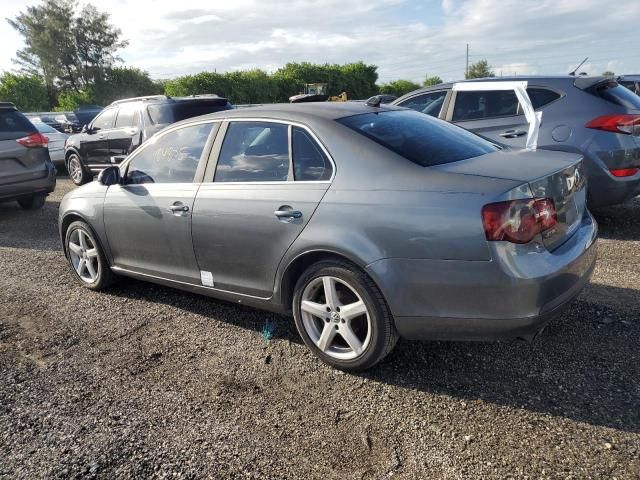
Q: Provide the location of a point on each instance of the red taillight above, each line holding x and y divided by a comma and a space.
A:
624, 172
33, 140
627, 124
518, 221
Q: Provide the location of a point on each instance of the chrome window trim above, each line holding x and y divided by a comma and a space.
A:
288, 182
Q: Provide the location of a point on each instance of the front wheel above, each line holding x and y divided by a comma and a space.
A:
342, 317
86, 257
76, 171
34, 202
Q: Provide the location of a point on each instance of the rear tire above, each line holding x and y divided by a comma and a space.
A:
34, 202
86, 258
351, 327
76, 170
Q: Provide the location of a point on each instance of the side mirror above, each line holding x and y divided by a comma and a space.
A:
109, 176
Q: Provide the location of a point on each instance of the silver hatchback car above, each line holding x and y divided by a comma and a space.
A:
366, 222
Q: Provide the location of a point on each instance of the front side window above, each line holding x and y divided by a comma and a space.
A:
104, 120
429, 103
419, 138
484, 104
309, 161
171, 158
254, 152
127, 116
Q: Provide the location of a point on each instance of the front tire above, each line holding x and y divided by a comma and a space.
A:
342, 317
86, 258
76, 171
34, 202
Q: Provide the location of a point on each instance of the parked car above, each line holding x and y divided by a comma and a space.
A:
26, 172
56, 141
593, 116
121, 127
86, 113
63, 122
367, 223
632, 82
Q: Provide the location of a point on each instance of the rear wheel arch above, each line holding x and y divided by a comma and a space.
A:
301, 263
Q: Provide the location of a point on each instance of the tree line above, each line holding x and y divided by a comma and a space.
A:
70, 59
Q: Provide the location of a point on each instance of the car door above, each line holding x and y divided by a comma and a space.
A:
94, 142
126, 131
148, 217
269, 178
497, 115
431, 103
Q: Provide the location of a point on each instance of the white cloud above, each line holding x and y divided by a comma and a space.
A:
405, 39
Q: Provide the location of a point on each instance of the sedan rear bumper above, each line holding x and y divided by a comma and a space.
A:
514, 295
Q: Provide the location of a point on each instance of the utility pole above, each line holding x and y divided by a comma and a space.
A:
466, 71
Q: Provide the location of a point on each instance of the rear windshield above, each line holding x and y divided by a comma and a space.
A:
14, 125
174, 112
419, 138
615, 93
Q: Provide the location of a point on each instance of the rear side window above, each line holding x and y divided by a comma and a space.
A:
165, 113
14, 125
127, 116
254, 152
615, 93
488, 104
419, 138
429, 103
541, 97
104, 121
309, 161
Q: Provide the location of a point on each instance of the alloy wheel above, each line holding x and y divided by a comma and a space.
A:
84, 256
336, 318
75, 169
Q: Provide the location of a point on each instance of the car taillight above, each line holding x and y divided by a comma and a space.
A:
518, 221
627, 124
624, 172
33, 140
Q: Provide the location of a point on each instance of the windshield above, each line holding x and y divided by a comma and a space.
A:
615, 93
419, 138
14, 125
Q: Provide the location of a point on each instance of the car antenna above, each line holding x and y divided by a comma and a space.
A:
375, 101
573, 74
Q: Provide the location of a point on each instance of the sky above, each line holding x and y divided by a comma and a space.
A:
405, 38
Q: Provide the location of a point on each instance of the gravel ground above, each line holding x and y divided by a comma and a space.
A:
146, 381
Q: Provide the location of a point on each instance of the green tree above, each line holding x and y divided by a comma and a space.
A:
398, 87
27, 91
608, 73
480, 69
70, 49
430, 81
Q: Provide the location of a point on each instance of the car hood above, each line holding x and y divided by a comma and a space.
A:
519, 165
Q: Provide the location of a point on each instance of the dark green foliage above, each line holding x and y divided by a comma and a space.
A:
27, 91
398, 87
480, 69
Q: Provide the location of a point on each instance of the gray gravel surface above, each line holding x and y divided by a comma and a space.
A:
149, 382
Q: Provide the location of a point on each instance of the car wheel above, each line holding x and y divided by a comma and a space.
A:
86, 257
342, 317
35, 202
76, 171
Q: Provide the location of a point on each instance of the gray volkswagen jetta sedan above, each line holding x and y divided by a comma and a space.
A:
367, 223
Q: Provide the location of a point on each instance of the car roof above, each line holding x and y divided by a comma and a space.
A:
7, 106
168, 99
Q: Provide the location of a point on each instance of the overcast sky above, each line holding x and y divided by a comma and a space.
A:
406, 39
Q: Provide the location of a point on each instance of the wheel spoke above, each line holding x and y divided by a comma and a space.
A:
315, 309
82, 240
90, 269
81, 265
75, 248
353, 310
330, 292
326, 337
351, 338
92, 253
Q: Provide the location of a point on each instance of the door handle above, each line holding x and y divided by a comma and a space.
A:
513, 133
288, 214
179, 208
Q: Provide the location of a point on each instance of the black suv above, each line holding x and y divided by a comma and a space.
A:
122, 126
26, 172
